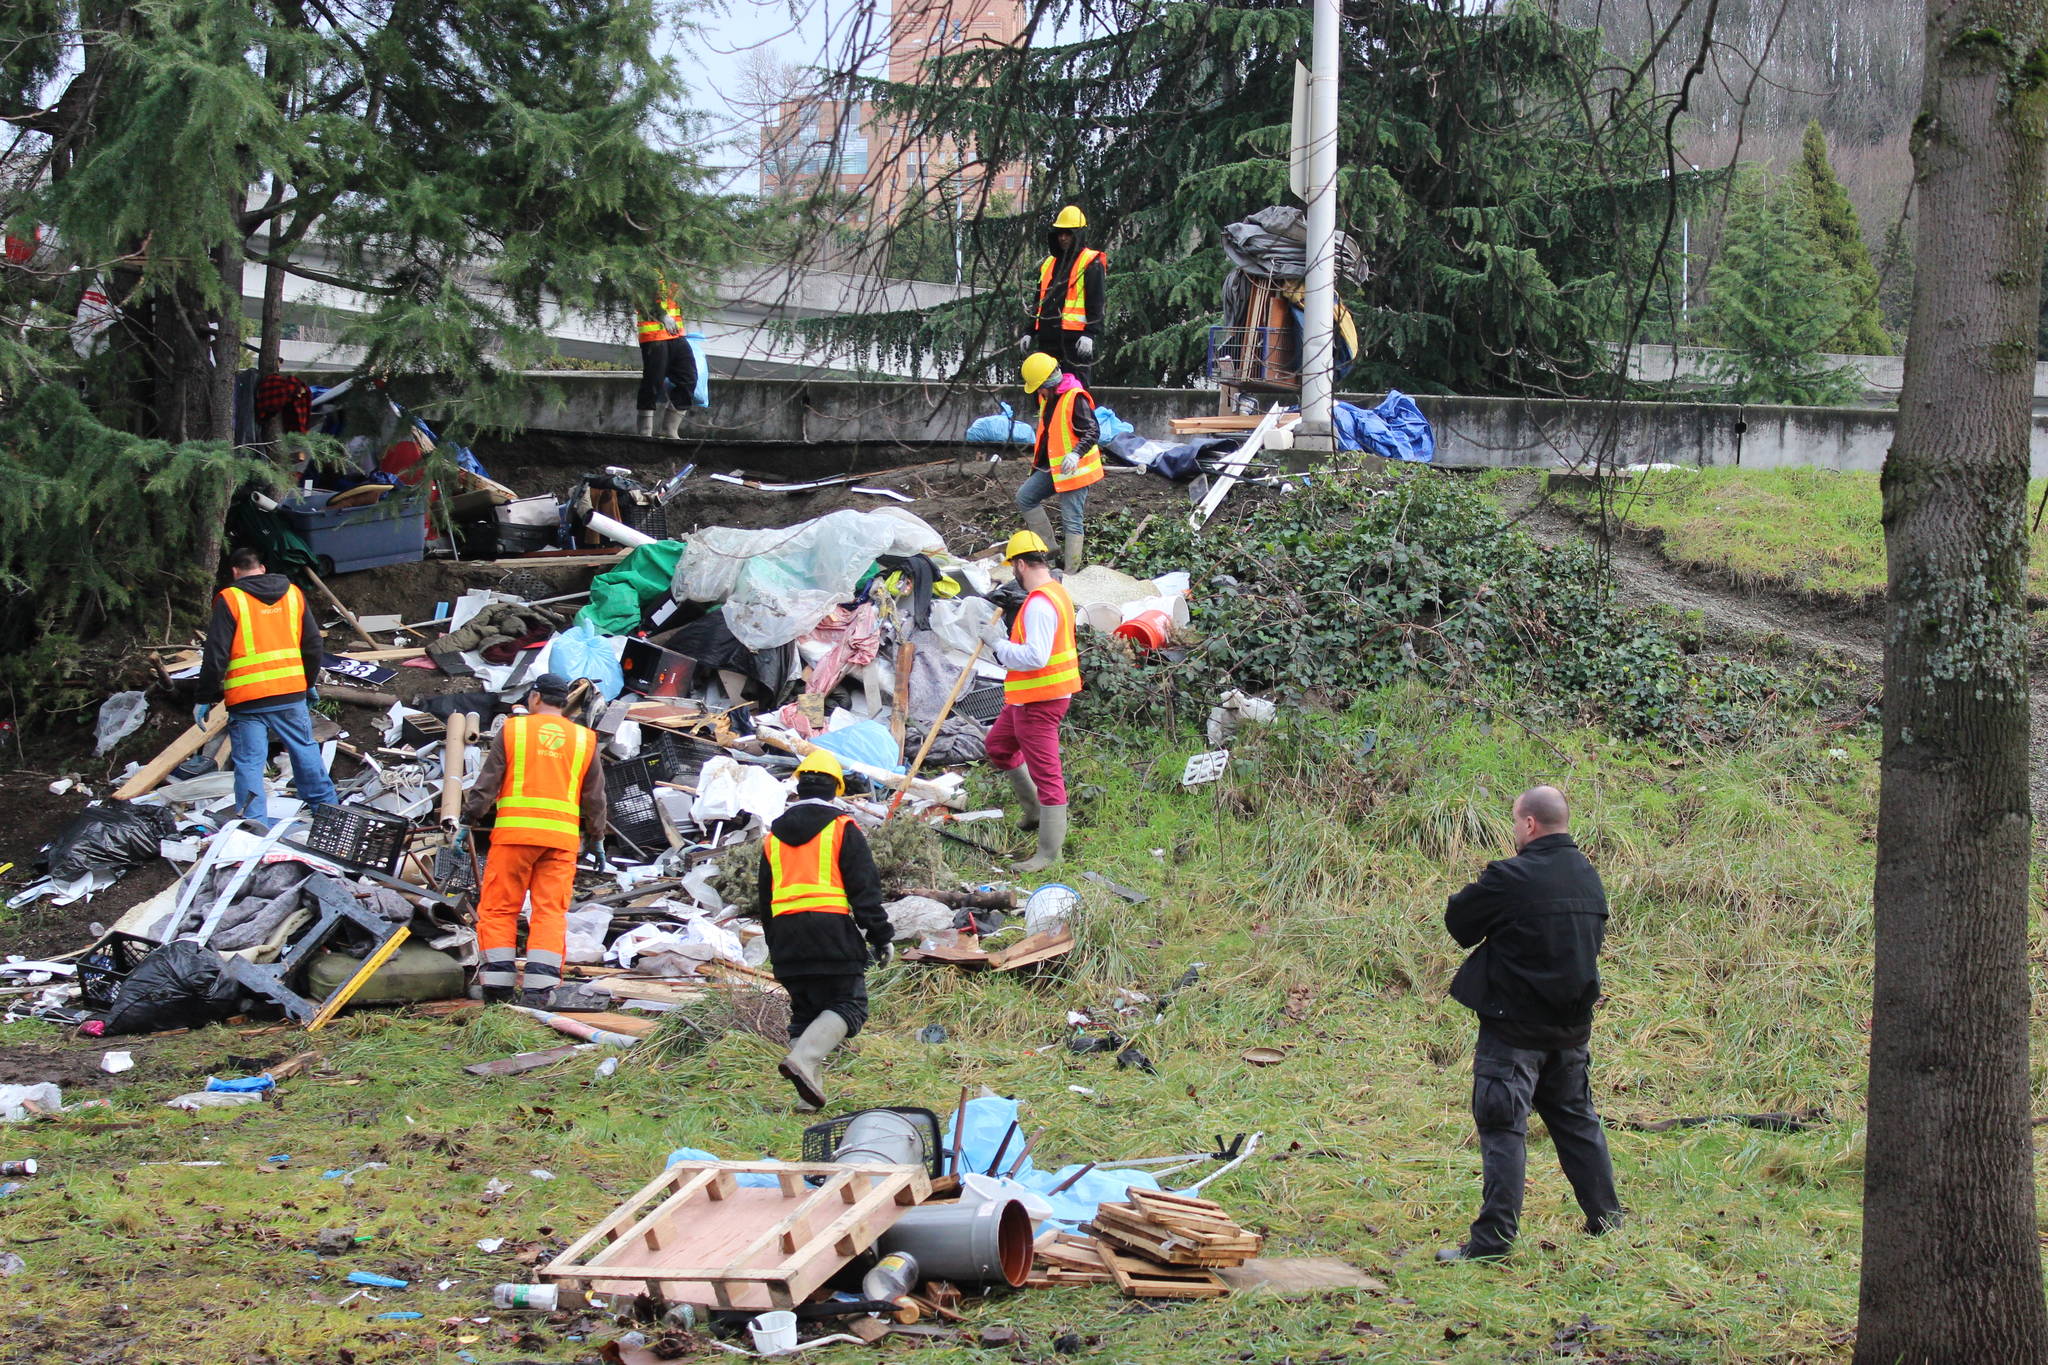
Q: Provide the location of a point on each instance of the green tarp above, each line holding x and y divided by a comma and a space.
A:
619, 596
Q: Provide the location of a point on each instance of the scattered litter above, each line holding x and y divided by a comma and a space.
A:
241, 1085
376, 1281
213, 1099
490, 1244
11, 1264
542, 1175
1202, 768
401, 1315
932, 1033
607, 1067
114, 1063
1264, 1056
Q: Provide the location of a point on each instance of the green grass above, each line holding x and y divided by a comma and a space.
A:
1737, 976
1804, 530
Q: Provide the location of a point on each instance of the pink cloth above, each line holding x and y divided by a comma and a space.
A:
1030, 734
859, 639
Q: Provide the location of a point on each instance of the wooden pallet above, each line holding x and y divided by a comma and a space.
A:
1176, 1230
1025, 952
1068, 1259
695, 1235
1139, 1278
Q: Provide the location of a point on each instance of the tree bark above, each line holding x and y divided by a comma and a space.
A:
1951, 1266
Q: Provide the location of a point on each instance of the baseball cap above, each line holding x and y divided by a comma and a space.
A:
553, 688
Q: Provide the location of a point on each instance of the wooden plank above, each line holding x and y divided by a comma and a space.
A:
1232, 468
378, 656
643, 1226
520, 1062
631, 1024
348, 988
177, 751
1026, 952
1140, 1279
785, 1232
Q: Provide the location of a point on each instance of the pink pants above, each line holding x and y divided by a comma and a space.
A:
1030, 734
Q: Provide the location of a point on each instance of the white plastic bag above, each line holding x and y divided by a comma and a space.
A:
15, 1098
587, 926
121, 715
726, 787
777, 584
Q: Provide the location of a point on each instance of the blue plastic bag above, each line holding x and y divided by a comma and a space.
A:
1109, 426
1000, 429
581, 652
701, 395
864, 741
1395, 429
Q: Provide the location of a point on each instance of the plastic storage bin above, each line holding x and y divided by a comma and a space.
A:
359, 835
392, 530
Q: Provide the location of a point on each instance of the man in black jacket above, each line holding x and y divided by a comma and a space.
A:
820, 905
1535, 923
1065, 320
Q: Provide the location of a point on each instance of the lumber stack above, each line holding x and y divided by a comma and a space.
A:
1229, 424
1176, 1230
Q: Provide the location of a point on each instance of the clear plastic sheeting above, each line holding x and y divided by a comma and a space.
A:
778, 584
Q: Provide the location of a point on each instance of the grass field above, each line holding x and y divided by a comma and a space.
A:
1737, 982
1805, 530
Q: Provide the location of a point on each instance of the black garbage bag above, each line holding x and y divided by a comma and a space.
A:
180, 985
110, 837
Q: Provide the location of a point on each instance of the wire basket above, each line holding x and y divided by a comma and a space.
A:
629, 793
359, 835
1263, 358
822, 1140
984, 703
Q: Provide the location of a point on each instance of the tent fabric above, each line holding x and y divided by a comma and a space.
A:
1395, 428
619, 596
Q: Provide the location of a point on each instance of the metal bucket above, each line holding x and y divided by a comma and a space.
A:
973, 1244
880, 1137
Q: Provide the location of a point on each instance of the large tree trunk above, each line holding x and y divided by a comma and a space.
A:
1951, 1267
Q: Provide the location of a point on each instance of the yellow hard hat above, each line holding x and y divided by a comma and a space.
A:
1023, 543
826, 762
1071, 217
1036, 369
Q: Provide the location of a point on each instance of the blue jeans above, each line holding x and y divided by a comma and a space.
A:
1039, 487
249, 732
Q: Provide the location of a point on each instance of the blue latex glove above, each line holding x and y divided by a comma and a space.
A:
199, 712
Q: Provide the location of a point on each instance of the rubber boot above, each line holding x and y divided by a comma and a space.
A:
497, 995
804, 1067
1052, 837
1073, 555
537, 997
1038, 521
1027, 796
644, 422
671, 424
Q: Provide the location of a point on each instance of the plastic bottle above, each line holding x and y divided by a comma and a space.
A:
24, 1167
545, 1298
893, 1276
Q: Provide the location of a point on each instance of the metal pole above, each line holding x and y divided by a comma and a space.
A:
1317, 346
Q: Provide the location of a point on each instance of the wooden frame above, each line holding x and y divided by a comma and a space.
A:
694, 1234
1025, 952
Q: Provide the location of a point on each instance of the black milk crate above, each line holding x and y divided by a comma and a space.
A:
106, 965
629, 793
674, 758
981, 704
649, 518
359, 835
821, 1140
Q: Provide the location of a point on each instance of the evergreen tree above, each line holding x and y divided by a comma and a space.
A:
1775, 299
1504, 185
1841, 236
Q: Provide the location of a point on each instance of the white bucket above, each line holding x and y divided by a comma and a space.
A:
774, 1333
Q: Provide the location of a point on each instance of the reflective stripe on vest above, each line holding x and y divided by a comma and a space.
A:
1061, 440
546, 758
266, 658
1061, 676
669, 326
1074, 307
806, 878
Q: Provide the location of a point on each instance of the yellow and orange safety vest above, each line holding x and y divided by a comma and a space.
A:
540, 801
1074, 307
1060, 441
807, 878
669, 326
266, 659
1061, 676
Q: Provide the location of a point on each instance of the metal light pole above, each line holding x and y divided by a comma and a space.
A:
1317, 344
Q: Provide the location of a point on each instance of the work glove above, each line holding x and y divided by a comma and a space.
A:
1024, 343
1084, 348
1070, 464
200, 712
879, 953
993, 632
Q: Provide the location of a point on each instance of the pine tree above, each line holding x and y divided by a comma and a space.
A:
1508, 215
1775, 299
1841, 236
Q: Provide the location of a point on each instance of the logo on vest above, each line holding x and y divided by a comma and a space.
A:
552, 739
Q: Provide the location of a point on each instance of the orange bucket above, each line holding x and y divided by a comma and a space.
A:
1148, 629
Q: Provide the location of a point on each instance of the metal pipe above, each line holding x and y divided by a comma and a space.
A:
1317, 342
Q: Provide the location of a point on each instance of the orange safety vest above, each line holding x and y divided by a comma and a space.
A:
1089, 469
266, 659
806, 879
1061, 676
669, 326
540, 802
1074, 308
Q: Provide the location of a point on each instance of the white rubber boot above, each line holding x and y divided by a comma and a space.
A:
643, 422
1052, 837
671, 423
804, 1067
1027, 796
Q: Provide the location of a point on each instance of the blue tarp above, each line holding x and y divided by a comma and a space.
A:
1396, 429
1109, 426
989, 1117
1000, 429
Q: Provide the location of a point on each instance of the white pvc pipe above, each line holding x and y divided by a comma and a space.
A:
616, 530
1318, 350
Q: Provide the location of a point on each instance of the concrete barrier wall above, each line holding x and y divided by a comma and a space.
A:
1472, 433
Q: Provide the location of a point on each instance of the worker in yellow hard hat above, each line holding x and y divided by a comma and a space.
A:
1040, 651
1065, 459
1066, 316
820, 906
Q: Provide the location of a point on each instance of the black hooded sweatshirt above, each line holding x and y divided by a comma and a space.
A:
220, 642
822, 943
1535, 923
1046, 317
